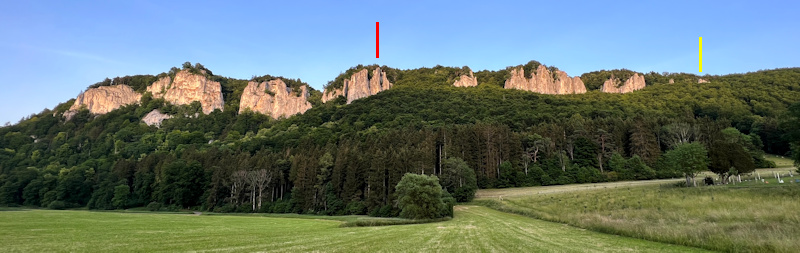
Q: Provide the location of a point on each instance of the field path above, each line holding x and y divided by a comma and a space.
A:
524, 191
474, 229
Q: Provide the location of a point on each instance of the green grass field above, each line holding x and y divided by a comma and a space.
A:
637, 216
780, 161
748, 217
474, 229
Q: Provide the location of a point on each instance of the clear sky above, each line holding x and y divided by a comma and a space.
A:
50, 51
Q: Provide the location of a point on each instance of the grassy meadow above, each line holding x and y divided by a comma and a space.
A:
747, 217
780, 161
474, 229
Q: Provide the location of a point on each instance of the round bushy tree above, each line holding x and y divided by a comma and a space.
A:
690, 159
419, 197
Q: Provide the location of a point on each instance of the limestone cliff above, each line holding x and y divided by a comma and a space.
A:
331, 95
155, 117
635, 82
103, 99
466, 81
281, 101
360, 85
187, 88
542, 81
701, 80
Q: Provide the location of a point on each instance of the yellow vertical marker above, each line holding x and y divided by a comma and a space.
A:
701, 54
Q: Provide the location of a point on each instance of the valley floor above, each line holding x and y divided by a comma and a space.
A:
474, 229
651, 210
746, 217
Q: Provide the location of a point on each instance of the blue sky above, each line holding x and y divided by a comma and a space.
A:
52, 50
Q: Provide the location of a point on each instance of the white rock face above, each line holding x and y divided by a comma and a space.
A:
331, 95
635, 82
155, 117
104, 99
187, 88
542, 81
283, 103
466, 81
359, 85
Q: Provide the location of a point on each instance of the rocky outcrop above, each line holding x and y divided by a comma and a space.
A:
155, 117
542, 81
701, 80
187, 88
331, 95
517, 80
612, 85
671, 81
360, 85
103, 99
279, 102
466, 81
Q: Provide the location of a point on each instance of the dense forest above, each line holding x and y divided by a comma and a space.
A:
347, 159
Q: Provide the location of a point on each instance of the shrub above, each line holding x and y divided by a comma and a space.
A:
356, 207
154, 206
448, 201
245, 207
57, 205
228, 208
384, 211
282, 206
121, 193
709, 181
172, 208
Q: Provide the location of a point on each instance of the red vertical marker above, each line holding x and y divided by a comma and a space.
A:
377, 40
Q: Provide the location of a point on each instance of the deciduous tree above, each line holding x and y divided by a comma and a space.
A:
419, 197
690, 159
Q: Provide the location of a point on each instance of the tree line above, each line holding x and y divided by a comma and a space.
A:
357, 173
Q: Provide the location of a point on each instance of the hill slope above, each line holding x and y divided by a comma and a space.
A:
340, 158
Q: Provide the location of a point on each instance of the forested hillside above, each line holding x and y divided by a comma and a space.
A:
347, 159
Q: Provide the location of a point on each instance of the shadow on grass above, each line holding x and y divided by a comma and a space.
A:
389, 222
347, 220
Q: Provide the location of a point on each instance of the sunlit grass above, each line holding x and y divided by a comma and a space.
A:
474, 229
780, 161
748, 217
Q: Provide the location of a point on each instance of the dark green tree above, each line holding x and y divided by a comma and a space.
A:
729, 156
459, 179
793, 134
121, 196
